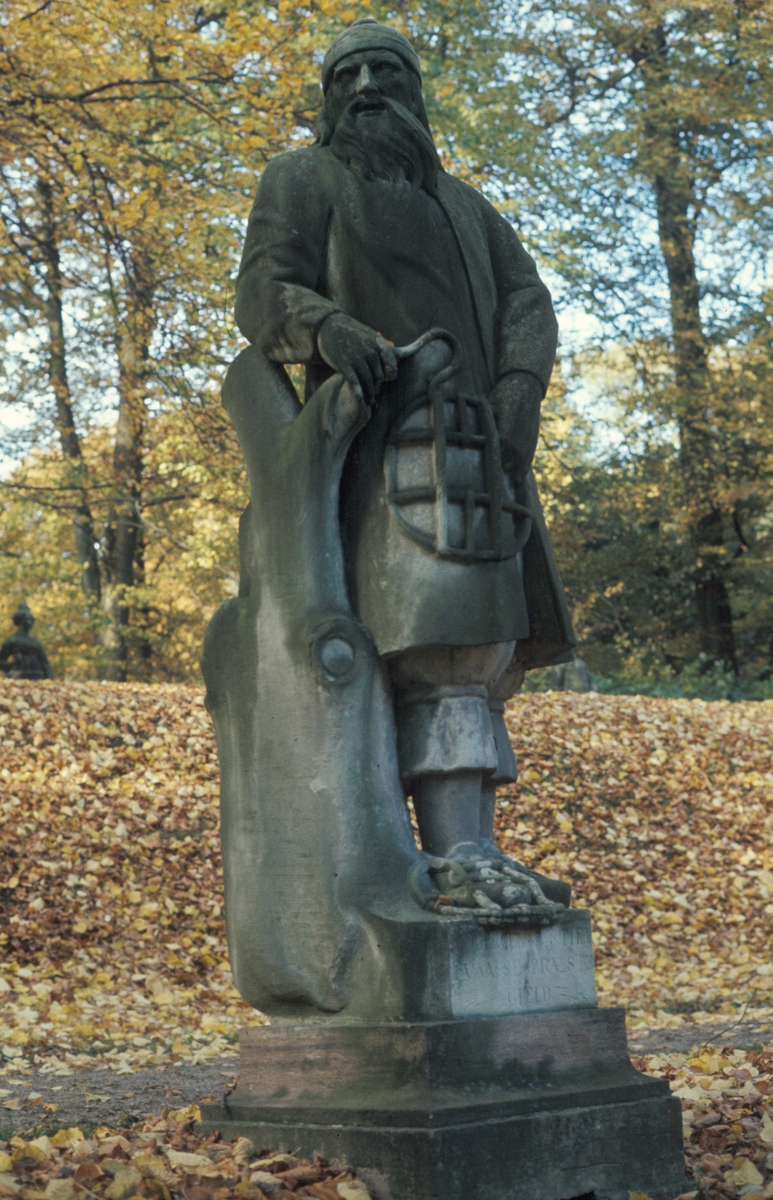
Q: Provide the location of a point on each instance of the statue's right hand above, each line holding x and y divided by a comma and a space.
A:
363, 357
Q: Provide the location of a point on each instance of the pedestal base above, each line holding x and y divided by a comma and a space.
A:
541, 1106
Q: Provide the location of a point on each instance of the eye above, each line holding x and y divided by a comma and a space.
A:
384, 68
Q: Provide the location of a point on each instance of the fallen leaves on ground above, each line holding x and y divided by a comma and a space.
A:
660, 813
727, 1111
111, 931
160, 1159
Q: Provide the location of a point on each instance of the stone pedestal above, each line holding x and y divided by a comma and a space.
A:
502, 1081
540, 1106
455, 969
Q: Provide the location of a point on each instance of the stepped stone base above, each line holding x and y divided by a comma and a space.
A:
539, 1106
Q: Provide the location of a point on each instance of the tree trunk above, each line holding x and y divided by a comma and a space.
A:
144, 649
677, 206
133, 337
65, 422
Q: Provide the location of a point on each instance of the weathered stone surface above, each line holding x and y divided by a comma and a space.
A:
435, 1012
396, 573
535, 1107
438, 971
518, 971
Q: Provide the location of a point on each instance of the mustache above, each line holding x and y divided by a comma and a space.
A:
382, 139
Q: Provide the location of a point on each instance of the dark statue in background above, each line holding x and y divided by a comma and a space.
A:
21, 655
434, 1017
575, 676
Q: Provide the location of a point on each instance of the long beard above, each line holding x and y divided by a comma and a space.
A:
391, 145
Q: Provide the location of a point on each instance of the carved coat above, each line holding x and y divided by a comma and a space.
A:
321, 240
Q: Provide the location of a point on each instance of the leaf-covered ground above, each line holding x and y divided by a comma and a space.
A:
112, 941
728, 1132
160, 1159
660, 812
112, 946
727, 1110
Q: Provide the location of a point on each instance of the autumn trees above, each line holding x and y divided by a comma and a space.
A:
650, 169
130, 143
631, 143
131, 140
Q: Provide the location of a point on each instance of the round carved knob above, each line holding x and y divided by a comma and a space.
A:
336, 656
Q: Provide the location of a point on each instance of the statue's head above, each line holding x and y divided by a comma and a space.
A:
373, 115
23, 617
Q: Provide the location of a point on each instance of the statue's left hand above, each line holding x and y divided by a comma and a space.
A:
364, 357
516, 400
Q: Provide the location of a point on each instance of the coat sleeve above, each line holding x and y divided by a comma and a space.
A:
277, 306
527, 333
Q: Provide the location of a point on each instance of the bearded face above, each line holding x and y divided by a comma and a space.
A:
374, 120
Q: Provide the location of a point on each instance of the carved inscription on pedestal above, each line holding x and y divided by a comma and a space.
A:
513, 971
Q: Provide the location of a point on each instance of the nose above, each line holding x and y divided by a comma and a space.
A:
366, 84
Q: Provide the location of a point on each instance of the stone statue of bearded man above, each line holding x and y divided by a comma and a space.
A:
418, 545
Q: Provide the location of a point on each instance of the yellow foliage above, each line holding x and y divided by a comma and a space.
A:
133, 138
